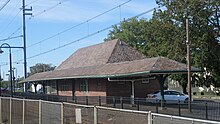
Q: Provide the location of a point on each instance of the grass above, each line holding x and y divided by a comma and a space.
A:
206, 95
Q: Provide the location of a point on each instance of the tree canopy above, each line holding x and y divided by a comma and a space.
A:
40, 67
164, 35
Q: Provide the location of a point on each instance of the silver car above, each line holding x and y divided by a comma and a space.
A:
170, 96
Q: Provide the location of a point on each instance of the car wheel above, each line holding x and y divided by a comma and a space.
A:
186, 100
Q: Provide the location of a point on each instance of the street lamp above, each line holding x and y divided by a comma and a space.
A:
10, 60
6, 45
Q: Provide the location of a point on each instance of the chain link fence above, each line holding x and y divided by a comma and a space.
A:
201, 109
27, 111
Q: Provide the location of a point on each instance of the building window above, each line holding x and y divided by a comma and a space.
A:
64, 86
51, 87
83, 86
54, 88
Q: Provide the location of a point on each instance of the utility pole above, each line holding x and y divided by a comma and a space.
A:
24, 38
188, 64
0, 81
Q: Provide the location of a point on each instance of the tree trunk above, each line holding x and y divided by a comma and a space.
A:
162, 79
35, 88
184, 86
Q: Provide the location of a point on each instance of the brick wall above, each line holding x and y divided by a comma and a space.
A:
102, 87
142, 89
67, 92
124, 88
96, 87
119, 89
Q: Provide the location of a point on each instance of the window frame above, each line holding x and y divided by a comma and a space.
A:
64, 86
83, 85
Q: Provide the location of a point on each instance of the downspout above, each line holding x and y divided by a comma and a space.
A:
57, 87
132, 92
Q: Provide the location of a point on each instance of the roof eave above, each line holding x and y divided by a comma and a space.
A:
117, 75
174, 71
91, 76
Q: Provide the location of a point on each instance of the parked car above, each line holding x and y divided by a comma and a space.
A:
170, 96
5, 90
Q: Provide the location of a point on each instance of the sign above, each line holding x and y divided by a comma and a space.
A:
78, 116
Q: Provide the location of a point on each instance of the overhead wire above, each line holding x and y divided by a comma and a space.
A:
31, 3
70, 28
19, 28
11, 38
50, 8
3, 6
10, 22
15, 32
6, 63
9, 15
89, 35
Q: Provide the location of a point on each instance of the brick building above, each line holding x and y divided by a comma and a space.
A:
111, 68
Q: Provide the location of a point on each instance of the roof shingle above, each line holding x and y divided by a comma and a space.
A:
103, 53
129, 68
109, 59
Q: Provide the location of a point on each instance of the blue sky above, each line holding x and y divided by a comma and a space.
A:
51, 17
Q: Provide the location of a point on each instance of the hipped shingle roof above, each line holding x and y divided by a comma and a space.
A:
158, 65
109, 59
99, 54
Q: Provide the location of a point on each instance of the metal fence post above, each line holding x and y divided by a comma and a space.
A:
10, 111
121, 99
61, 113
156, 106
95, 115
0, 109
114, 101
23, 111
87, 100
99, 100
149, 118
76, 99
40, 106
138, 105
206, 111
179, 107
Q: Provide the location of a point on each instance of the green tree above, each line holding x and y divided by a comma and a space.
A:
153, 38
40, 67
164, 35
204, 26
5, 84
